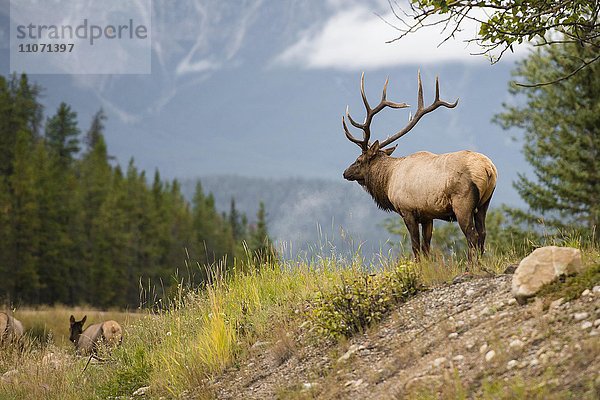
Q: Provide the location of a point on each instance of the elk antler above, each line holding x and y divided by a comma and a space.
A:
420, 110
366, 125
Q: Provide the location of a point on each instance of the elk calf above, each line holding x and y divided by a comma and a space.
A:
423, 186
11, 329
87, 342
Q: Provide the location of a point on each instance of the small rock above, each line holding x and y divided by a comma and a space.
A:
512, 301
586, 292
534, 362
596, 289
141, 391
260, 344
470, 292
510, 269
483, 348
511, 364
307, 385
594, 332
453, 335
586, 325
597, 323
542, 266
460, 323
557, 303
355, 383
516, 344
580, 316
489, 356
351, 350
485, 311
458, 358
438, 362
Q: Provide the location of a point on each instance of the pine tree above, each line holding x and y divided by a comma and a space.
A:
62, 134
96, 131
212, 230
20, 111
95, 182
562, 137
27, 110
236, 222
24, 224
260, 244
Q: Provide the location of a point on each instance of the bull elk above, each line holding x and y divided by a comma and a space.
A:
11, 329
423, 186
87, 341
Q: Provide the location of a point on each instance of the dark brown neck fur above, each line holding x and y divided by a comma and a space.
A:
377, 181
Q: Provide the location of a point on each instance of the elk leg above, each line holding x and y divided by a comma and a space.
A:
465, 221
427, 227
413, 228
480, 225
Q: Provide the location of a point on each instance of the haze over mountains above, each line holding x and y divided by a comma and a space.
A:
254, 91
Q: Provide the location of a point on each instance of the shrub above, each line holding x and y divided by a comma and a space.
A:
352, 306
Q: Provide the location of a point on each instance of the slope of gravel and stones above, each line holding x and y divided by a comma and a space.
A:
468, 339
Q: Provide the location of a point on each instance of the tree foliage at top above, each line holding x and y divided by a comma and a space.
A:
503, 23
561, 125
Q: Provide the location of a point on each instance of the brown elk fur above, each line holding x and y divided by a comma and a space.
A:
424, 186
11, 329
86, 342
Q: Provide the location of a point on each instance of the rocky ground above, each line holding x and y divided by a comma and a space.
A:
464, 340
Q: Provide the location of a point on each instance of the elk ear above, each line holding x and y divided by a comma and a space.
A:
373, 149
83, 320
72, 320
390, 150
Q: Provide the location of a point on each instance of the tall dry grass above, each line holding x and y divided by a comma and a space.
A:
178, 345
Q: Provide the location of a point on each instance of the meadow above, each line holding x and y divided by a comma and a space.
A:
176, 346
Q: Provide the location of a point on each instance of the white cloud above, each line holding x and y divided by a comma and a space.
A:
354, 38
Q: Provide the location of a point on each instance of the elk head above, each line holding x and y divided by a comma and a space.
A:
76, 329
358, 170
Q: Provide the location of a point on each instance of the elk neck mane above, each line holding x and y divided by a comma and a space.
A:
377, 181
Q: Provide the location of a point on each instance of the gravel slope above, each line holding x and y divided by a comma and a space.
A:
468, 339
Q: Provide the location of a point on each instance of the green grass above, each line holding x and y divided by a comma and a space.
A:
178, 346
572, 286
352, 306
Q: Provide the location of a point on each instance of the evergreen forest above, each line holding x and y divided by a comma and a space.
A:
76, 228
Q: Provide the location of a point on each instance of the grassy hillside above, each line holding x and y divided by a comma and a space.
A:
187, 347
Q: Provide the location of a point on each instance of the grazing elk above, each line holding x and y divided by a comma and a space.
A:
423, 186
87, 342
11, 329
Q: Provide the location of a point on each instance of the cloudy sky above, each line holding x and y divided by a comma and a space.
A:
257, 88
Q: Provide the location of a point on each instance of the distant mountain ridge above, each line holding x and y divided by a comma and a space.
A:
306, 217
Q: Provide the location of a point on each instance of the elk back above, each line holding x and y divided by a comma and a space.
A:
10, 328
109, 332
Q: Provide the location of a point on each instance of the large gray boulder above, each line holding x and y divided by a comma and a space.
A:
543, 266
